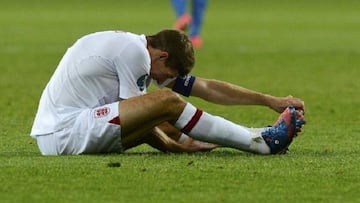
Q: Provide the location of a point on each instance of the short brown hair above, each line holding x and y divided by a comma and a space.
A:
179, 48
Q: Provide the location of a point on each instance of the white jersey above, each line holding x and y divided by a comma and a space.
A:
99, 69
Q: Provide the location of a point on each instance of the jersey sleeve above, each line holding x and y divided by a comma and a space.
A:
183, 85
133, 67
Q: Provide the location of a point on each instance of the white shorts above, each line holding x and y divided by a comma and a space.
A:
94, 131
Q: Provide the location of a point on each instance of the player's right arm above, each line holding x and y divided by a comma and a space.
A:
224, 93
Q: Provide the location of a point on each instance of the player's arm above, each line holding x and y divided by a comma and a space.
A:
161, 141
225, 93
229, 94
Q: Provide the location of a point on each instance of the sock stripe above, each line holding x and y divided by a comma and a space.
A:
190, 125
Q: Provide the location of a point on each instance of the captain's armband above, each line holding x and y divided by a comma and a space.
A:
183, 85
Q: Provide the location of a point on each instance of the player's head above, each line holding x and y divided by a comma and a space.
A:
179, 48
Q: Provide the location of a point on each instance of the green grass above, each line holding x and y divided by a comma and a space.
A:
310, 49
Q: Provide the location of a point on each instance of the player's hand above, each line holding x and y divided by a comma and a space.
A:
198, 146
280, 104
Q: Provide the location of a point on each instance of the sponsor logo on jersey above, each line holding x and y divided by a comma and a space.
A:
101, 112
141, 82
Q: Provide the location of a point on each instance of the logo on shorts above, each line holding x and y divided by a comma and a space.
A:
102, 112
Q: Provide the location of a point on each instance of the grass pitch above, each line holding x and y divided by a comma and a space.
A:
310, 49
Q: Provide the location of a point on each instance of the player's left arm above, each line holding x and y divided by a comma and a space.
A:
161, 141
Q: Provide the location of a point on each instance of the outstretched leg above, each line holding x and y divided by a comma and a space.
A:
141, 114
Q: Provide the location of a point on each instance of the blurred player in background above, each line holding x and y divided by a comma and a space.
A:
96, 101
194, 20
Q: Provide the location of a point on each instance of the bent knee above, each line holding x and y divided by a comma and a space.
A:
169, 96
170, 100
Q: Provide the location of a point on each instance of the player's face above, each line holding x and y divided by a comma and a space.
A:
160, 72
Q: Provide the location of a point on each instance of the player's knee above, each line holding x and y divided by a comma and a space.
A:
173, 97
172, 101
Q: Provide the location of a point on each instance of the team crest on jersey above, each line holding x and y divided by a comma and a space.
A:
101, 112
141, 82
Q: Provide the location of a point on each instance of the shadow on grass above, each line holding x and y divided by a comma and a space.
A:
218, 153
236, 153
224, 152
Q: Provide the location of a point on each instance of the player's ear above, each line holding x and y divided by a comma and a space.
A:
164, 55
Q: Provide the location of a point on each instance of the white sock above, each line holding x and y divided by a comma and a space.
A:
214, 129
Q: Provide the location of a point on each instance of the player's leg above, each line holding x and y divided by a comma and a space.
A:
198, 12
214, 129
208, 128
167, 138
179, 7
140, 114
183, 18
151, 139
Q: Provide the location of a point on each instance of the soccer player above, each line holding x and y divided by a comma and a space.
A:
194, 21
96, 101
